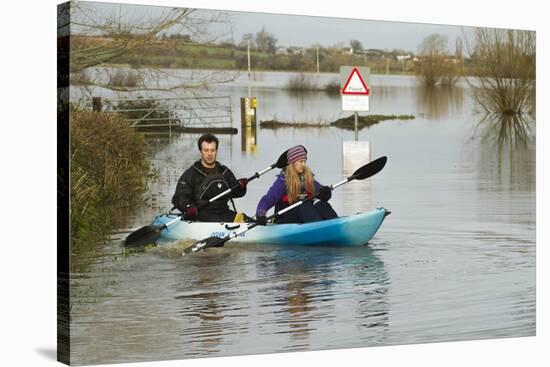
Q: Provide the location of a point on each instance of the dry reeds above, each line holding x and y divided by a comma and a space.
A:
333, 87
108, 172
302, 82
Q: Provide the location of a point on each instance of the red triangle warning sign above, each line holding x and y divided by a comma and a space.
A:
355, 84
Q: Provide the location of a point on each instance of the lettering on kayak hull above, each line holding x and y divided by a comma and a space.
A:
221, 234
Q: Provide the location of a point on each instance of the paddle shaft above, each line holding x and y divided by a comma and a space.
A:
254, 176
280, 212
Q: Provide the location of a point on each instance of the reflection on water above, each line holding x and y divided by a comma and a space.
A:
208, 305
439, 102
511, 140
355, 154
318, 290
513, 130
294, 296
249, 137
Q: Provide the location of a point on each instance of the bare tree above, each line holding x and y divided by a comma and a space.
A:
433, 45
247, 37
433, 67
506, 69
452, 67
102, 33
266, 41
356, 45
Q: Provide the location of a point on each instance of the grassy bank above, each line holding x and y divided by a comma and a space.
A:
108, 175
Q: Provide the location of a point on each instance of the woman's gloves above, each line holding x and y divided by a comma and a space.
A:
325, 193
261, 220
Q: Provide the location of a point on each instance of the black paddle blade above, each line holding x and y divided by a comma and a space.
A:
282, 162
203, 244
143, 236
369, 169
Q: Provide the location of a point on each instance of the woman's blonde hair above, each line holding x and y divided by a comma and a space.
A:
292, 179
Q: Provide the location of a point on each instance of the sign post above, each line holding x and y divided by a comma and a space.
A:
354, 92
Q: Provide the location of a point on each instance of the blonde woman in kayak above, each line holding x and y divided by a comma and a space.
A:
293, 184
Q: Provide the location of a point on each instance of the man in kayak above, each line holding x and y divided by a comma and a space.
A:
294, 183
205, 179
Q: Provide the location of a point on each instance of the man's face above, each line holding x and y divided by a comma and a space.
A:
208, 153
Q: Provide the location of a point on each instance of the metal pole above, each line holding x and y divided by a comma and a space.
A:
317, 60
356, 127
244, 122
230, 111
248, 55
170, 125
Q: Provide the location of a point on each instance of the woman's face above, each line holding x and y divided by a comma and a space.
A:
299, 166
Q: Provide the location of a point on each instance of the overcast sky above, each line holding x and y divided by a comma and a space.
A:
308, 30
304, 31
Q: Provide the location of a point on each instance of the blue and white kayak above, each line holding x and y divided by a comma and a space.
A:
353, 230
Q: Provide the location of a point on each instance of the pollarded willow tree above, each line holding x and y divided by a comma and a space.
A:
505, 68
435, 66
102, 34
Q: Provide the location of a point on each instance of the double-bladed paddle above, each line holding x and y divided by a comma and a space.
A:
362, 173
151, 233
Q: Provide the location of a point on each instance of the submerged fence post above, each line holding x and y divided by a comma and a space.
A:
96, 104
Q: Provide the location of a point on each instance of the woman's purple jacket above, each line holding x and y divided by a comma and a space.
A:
275, 194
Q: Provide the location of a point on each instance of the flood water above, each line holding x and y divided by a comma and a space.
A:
454, 261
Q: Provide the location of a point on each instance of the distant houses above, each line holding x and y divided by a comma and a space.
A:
281, 51
403, 57
372, 54
452, 60
292, 50
347, 50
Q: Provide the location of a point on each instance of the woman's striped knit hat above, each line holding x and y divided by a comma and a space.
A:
296, 153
